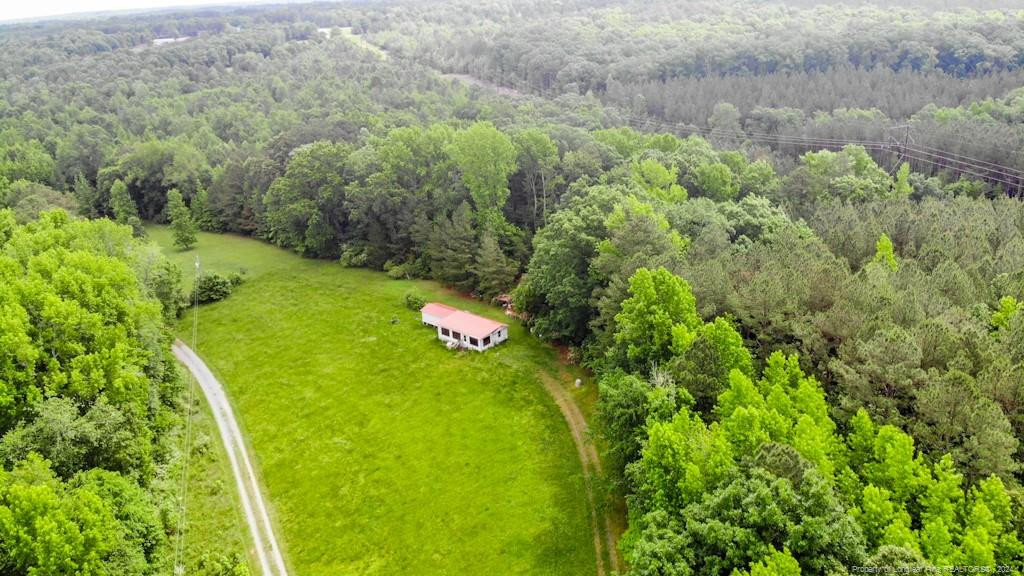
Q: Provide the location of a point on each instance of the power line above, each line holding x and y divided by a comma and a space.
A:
934, 159
790, 139
990, 171
989, 177
868, 124
975, 160
826, 142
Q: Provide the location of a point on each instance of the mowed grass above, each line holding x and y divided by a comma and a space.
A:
383, 452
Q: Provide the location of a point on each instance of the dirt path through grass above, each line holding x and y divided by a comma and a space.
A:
591, 469
262, 531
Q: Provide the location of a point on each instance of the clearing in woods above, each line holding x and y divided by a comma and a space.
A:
381, 451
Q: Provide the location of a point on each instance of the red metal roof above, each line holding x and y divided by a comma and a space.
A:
470, 324
437, 309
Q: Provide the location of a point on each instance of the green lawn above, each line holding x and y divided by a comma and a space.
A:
383, 452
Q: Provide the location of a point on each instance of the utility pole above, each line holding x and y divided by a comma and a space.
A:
179, 548
195, 307
901, 147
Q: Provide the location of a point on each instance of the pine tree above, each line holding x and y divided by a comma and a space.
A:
86, 196
450, 249
124, 208
494, 271
201, 212
902, 187
182, 224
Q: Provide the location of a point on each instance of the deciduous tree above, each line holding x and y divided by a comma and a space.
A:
485, 157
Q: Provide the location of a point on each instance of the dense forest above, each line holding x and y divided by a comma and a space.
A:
770, 73
90, 399
810, 358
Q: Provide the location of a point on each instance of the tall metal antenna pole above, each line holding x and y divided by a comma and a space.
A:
195, 308
179, 551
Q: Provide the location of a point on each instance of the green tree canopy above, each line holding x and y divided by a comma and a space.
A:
486, 157
716, 181
659, 315
305, 208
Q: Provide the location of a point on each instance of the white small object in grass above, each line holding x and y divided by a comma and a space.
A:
579, 382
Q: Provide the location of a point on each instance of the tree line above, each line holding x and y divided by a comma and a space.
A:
89, 399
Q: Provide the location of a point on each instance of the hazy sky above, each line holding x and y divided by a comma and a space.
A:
18, 9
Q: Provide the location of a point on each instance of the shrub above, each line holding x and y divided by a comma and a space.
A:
212, 288
221, 565
235, 279
352, 257
414, 301
401, 271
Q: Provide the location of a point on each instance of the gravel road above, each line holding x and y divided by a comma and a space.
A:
263, 540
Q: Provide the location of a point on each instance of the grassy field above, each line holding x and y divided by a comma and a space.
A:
383, 452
